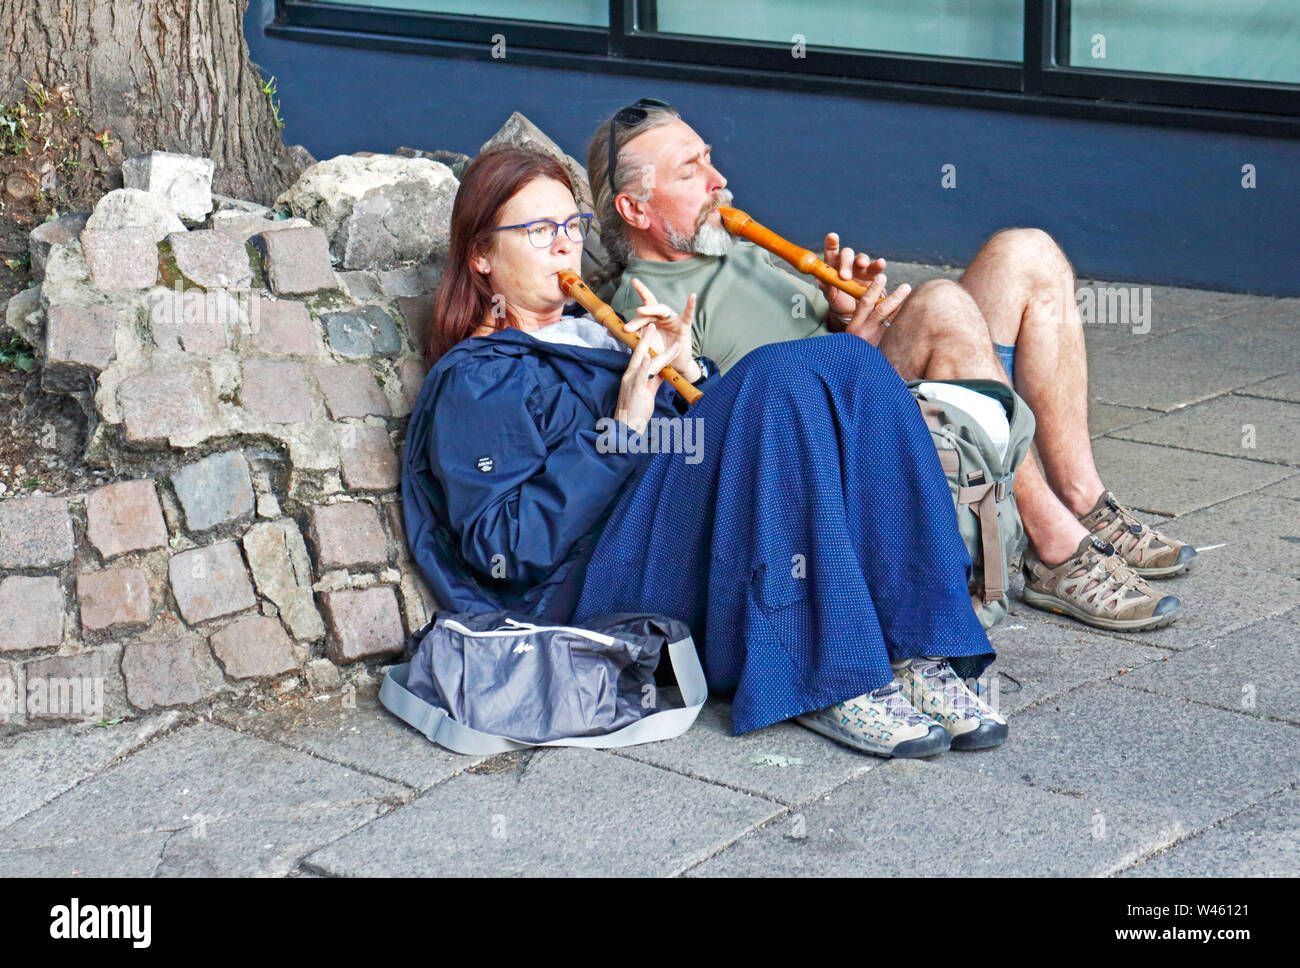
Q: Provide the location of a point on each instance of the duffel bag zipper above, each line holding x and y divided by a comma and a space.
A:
522, 628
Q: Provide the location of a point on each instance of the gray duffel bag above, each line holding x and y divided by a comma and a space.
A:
488, 682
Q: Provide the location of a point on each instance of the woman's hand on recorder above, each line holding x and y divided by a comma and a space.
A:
636, 394
674, 330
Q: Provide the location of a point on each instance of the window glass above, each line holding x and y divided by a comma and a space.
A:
1256, 40
589, 13
978, 29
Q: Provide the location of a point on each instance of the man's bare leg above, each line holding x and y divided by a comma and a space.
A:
1025, 288
940, 334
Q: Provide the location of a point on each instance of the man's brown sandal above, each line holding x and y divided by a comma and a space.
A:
1143, 548
1096, 587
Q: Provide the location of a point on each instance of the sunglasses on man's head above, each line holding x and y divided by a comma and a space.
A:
630, 115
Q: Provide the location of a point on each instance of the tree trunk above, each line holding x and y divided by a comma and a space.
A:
171, 75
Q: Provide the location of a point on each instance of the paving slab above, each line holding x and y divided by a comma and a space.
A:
1105, 417
559, 812
353, 730
129, 855
1038, 660
1191, 365
1285, 387
1263, 841
1168, 481
242, 807
782, 762
1217, 598
1249, 671
1257, 531
1234, 426
1116, 748
1172, 309
915, 818
41, 764
1287, 487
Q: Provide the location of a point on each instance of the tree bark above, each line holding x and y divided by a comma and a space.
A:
171, 75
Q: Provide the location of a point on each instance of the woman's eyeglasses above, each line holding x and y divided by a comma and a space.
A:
542, 231
630, 115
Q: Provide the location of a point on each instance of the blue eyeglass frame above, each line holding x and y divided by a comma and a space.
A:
589, 216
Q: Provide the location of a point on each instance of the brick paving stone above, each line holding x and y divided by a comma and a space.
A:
364, 623
126, 516
365, 331
31, 613
160, 673
211, 581
298, 261
283, 327
252, 647
384, 336
114, 596
193, 321
278, 558
351, 391
65, 687
11, 708
213, 259
412, 373
80, 337
367, 459
35, 532
161, 403
121, 258
215, 490
417, 311
65, 228
347, 534
276, 391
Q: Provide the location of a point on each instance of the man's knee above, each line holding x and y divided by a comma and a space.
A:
941, 309
1029, 248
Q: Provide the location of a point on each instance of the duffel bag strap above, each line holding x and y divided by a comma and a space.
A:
985, 498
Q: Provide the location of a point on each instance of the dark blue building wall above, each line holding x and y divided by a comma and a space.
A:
1126, 202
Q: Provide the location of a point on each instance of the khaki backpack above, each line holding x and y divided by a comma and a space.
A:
982, 486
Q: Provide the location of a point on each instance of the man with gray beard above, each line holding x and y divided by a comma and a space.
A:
1011, 315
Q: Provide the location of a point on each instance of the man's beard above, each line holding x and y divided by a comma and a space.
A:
708, 239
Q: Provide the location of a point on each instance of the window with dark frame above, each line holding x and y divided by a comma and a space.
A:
1194, 63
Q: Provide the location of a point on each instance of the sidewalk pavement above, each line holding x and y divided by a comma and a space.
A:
1173, 752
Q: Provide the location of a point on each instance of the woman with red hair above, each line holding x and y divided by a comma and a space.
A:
800, 522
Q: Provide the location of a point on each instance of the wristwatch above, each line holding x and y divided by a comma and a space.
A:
703, 364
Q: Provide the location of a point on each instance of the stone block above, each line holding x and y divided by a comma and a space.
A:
193, 321
160, 673
278, 558
347, 534
209, 582
115, 596
412, 373
364, 623
131, 207
275, 391
184, 180
216, 490
253, 647
31, 613
212, 259
125, 517
124, 258
283, 327
65, 687
417, 312
322, 675
79, 339
12, 694
351, 391
298, 261
162, 403
366, 331
65, 228
367, 459
35, 532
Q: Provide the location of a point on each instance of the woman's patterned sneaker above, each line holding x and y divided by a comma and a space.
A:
1143, 548
934, 689
1097, 588
881, 722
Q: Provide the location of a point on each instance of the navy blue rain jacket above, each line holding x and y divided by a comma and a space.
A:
504, 492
